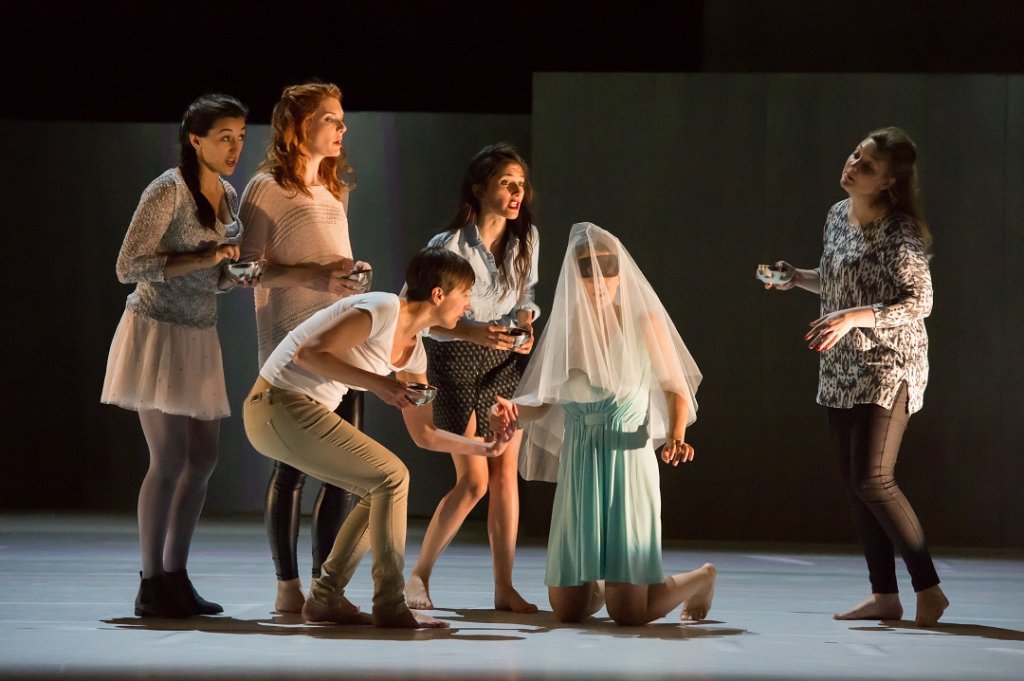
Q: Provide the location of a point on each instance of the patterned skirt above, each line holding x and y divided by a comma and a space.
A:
468, 377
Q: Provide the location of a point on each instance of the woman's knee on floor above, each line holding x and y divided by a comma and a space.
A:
570, 604
627, 604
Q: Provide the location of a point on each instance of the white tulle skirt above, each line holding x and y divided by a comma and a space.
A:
174, 369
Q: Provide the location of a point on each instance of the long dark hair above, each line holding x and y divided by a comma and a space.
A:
488, 162
289, 129
199, 119
896, 147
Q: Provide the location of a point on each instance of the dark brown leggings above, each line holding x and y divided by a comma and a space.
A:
868, 438
284, 503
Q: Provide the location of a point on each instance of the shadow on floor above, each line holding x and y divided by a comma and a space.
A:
292, 625
950, 629
544, 621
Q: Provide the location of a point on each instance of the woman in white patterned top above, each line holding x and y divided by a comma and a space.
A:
165, 359
876, 291
295, 210
477, 360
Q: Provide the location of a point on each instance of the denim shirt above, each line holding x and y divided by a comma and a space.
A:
492, 300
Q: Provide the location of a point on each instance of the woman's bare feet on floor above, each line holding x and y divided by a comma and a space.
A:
417, 594
508, 599
289, 596
698, 606
878, 607
931, 603
408, 620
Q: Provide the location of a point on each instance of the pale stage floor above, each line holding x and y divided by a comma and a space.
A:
68, 583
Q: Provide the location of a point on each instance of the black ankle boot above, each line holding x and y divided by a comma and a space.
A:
155, 599
181, 586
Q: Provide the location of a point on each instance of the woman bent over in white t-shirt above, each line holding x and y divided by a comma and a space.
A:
357, 343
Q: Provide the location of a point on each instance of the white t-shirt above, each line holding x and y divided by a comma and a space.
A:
373, 354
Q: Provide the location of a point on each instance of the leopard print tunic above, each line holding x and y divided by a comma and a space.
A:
883, 265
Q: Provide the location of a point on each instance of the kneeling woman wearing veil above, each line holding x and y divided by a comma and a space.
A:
609, 382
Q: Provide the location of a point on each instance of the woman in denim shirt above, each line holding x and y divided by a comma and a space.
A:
479, 360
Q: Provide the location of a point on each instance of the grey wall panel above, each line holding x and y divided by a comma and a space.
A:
1010, 381
69, 191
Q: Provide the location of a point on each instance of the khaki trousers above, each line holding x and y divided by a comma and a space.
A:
291, 427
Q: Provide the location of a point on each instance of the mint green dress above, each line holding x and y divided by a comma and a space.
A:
606, 518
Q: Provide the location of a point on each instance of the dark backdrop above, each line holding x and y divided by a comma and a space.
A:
747, 162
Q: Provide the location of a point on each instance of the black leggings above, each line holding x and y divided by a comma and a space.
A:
284, 502
868, 438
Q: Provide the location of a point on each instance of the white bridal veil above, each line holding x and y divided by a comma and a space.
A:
608, 332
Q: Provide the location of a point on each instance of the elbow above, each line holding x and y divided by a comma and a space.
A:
124, 273
680, 403
426, 438
922, 306
422, 437
926, 307
123, 269
303, 358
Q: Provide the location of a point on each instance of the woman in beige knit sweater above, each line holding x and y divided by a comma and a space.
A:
295, 211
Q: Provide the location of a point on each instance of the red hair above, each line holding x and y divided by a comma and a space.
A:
289, 125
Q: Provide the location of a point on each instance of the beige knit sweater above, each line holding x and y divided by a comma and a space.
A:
289, 228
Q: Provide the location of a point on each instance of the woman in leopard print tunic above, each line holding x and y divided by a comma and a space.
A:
875, 292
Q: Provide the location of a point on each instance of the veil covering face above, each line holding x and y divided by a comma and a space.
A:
607, 335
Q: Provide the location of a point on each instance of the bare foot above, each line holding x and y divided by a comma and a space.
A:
289, 596
507, 598
931, 603
698, 606
417, 594
878, 607
407, 619
339, 611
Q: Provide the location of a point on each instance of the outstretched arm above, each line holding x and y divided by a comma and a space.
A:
506, 416
419, 421
808, 280
494, 336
